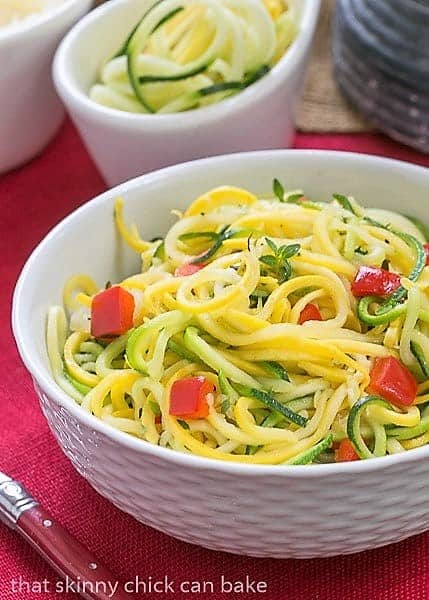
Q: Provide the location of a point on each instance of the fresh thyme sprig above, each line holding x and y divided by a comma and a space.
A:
224, 234
219, 238
278, 190
344, 202
280, 193
278, 262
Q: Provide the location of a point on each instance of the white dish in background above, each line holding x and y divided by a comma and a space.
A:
30, 110
277, 511
16, 13
125, 145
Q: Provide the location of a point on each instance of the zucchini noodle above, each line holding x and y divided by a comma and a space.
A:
221, 299
186, 54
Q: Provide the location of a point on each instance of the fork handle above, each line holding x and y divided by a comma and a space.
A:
74, 562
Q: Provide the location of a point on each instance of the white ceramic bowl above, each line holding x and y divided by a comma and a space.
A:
125, 145
278, 511
30, 110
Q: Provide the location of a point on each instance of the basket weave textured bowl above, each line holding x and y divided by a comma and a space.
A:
275, 511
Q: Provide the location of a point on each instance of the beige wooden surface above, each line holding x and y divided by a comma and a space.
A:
323, 107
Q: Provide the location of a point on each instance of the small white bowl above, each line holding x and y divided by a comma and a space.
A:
278, 511
30, 110
125, 145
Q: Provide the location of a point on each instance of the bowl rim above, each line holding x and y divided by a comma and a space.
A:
70, 92
50, 387
41, 20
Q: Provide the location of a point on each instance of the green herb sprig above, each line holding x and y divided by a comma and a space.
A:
226, 233
278, 262
281, 195
344, 202
278, 190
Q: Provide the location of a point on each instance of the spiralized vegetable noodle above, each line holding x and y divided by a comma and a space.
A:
255, 310
186, 54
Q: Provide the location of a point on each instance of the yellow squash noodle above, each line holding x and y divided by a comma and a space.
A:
254, 299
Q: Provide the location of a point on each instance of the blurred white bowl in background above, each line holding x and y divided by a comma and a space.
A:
125, 145
30, 111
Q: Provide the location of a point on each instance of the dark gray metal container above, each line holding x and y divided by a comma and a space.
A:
381, 57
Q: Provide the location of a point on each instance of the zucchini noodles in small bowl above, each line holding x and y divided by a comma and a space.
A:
176, 80
244, 333
185, 54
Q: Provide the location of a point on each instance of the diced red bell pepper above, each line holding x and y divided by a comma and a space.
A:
426, 247
346, 452
372, 281
391, 380
187, 269
310, 313
188, 398
112, 312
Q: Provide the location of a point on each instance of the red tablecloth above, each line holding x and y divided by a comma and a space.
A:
32, 200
